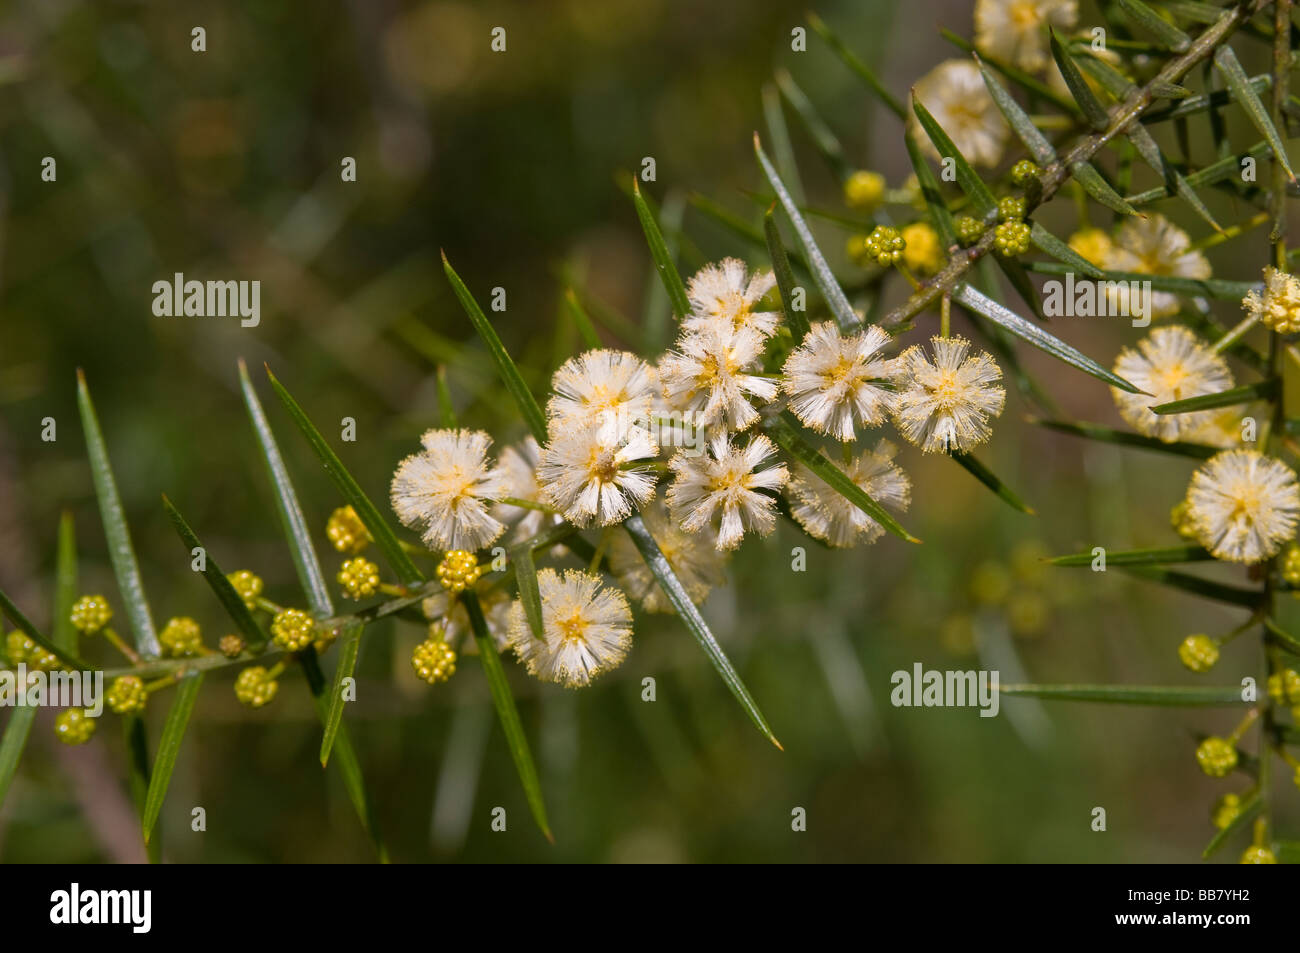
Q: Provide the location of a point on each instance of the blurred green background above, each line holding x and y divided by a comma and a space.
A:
225, 164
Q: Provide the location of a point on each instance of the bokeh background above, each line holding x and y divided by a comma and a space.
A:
225, 164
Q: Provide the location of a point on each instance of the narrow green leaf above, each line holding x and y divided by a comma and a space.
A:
1099, 188
137, 746
1238, 395
1168, 695
526, 579
1018, 278
663, 572
940, 216
822, 274
1049, 244
507, 712
62, 632
1019, 121
1215, 172
797, 320
1125, 438
230, 600
1138, 557
1003, 317
349, 649
1245, 813
981, 198
446, 409
663, 258
1205, 588
350, 489
1239, 85
1165, 32
823, 138
1204, 101
178, 719
120, 550
295, 526
782, 147
1161, 90
859, 68
990, 480
510, 376
1031, 84
17, 730
1207, 287
1093, 110
1174, 181
24, 624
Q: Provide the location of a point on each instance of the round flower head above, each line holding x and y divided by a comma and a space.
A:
346, 531
74, 726
693, 557
586, 629
584, 473
1278, 307
825, 514
720, 295
946, 405
1244, 505
1014, 32
444, 492
518, 467
831, 379
955, 94
433, 659
1153, 246
707, 375
602, 387
1094, 244
1169, 364
924, 252
181, 637
255, 687
726, 480
90, 614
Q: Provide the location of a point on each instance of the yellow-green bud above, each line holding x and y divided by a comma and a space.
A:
254, 687
21, 648
90, 614
1257, 854
1180, 518
1284, 687
458, 571
1216, 756
1012, 238
346, 531
1024, 171
434, 660
863, 190
248, 585
885, 245
1291, 563
1011, 209
1199, 652
231, 646
292, 629
1225, 810
74, 726
181, 637
359, 578
968, 229
127, 695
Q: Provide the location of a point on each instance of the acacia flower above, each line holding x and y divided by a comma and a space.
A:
825, 513
1154, 246
589, 473
708, 375
726, 480
946, 405
615, 388
1169, 364
720, 295
693, 557
444, 492
518, 467
1279, 306
955, 94
1244, 505
831, 379
1014, 32
586, 629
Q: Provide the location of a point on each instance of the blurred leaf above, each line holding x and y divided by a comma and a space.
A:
178, 718
1025, 81
1208, 287
663, 572
349, 648
521, 557
796, 319
507, 713
981, 198
1165, 32
446, 409
827, 145
862, 71
1003, 317
1137, 557
990, 480
350, 490
1151, 154
1126, 438
138, 773
291, 518
1280, 636
1172, 695
1214, 172
822, 274
1245, 812
510, 376
782, 147
1091, 107
1242, 91
1017, 277
663, 258
1021, 124
16, 616
1196, 585
1049, 244
17, 730
230, 600
62, 632
586, 330
120, 550
785, 431
1227, 398
940, 216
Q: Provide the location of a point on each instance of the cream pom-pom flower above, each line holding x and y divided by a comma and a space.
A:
721, 294
693, 557
518, 465
1278, 305
586, 629
446, 490
603, 386
833, 379
955, 94
1015, 31
1153, 246
1169, 364
945, 405
725, 481
590, 473
826, 514
711, 375
1244, 505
